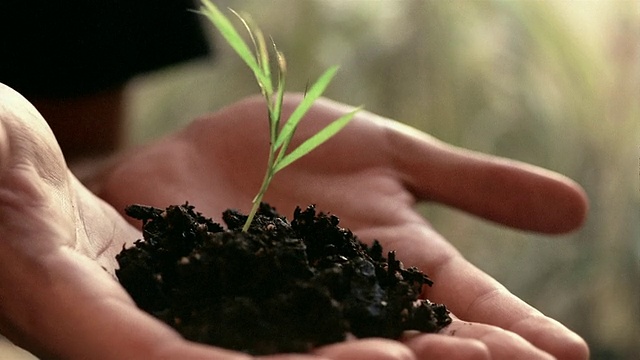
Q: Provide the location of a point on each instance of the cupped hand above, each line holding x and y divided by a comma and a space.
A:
371, 175
57, 243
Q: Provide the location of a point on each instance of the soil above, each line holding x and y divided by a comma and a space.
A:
279, 287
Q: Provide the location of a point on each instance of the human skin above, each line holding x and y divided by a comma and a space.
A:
56, 236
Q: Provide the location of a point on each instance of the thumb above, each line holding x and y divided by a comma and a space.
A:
25, 138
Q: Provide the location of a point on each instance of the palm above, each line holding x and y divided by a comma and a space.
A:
370, 175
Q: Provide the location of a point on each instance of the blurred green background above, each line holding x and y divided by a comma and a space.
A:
553, 83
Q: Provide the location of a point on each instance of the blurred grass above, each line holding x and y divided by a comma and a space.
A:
553, 83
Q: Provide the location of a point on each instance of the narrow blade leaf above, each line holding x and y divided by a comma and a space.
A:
314, 93
277, 101
234, 39
316, 140
260, 47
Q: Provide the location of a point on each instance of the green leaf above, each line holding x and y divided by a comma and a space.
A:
314, 93
276, 111
260, 46
316, 140
234, 39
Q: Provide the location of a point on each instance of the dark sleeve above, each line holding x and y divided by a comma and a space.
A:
68, 48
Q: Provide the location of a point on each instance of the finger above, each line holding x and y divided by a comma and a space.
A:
439, 347
473, 295
500, 190
185, 350
487, 301
367, 349
505, 191
500, 343
294, 356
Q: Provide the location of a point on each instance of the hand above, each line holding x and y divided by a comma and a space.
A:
56, 299
371, 175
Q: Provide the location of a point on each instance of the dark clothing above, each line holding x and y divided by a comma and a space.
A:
66, 48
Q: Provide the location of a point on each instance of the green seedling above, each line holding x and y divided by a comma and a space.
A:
259, 61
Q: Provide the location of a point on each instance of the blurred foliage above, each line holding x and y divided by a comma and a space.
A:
553, 83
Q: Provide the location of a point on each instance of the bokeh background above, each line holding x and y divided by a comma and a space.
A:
552, 83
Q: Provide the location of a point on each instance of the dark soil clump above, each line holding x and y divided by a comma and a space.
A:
280, 287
